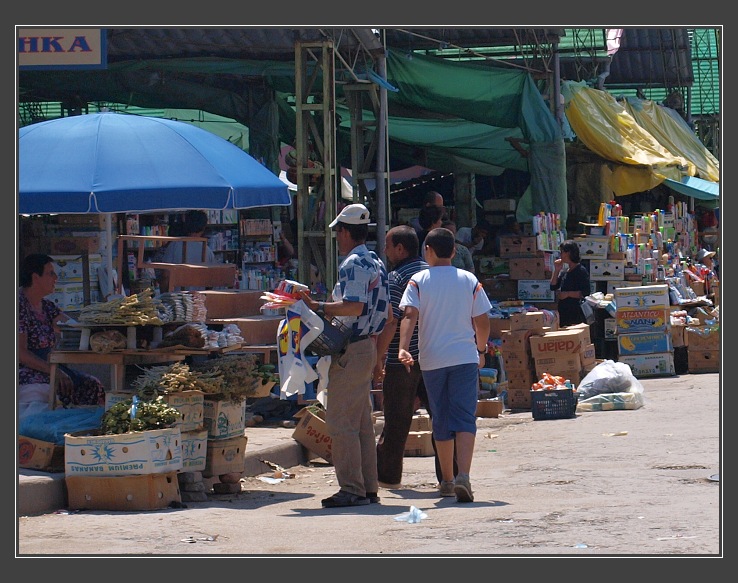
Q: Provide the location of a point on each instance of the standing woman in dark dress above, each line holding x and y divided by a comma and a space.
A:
571, 279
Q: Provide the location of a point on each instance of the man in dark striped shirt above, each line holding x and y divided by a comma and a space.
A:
399, 387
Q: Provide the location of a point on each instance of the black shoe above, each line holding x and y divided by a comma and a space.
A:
341, 499
373, 498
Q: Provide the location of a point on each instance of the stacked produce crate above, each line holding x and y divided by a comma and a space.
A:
516, 356
122, 468
643, 326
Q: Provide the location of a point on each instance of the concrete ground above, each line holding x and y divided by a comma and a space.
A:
41, 492
622, 483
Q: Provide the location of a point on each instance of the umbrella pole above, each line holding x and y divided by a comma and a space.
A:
109, 254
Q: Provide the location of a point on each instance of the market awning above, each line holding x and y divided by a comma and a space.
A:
695, 187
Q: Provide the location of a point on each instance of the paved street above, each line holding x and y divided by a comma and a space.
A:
639, 482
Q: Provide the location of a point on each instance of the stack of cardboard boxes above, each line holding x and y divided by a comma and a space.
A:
643, 326
533, 346
522, 271
703, 348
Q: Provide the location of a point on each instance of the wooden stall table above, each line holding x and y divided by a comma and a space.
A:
118, 360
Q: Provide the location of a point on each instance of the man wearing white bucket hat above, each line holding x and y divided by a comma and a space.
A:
360, 300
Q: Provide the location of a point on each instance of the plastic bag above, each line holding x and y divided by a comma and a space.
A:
52, 425
587, 312
414, 516
611, 402
609, 377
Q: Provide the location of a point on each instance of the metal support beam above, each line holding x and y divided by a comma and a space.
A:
316, 159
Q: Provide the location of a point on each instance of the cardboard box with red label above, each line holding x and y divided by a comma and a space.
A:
558, 344
311, 432
630, 320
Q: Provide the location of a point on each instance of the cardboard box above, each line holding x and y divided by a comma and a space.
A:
263, 390
702, 338
520, 380
529, 321
584, 332
613, 285
225, 456
644, 296
421, 423
678, 335
518, 246
557, 366
535, 290
122, 454
311, 432
644, 343
519, 398
491, 265
606, 270
232, 303
516, 341
224, 419
489, 408
593, 247
419, 444
703, 360
132, 493
194, 450
527, 268
73, 245
35, 454
500, 288
516, 360
254, 329
69, 268
629, 320
611, 327
500, 205
69, 297
190, 404
497, 326
698, 287
559, 344
587, 356
650, 365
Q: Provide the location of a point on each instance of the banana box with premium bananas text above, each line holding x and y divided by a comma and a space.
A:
650, 365
123, 454
644, 343
644, 296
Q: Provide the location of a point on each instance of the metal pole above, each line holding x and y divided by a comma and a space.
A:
381, 165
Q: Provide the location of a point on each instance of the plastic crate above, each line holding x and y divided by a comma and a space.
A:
553, 404
332, 340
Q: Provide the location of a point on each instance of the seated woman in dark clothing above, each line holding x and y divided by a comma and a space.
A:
37, 336
571, 279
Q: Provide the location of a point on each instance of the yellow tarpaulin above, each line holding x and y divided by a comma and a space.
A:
648, 144
675, 135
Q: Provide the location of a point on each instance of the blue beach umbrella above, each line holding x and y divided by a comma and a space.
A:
112, 163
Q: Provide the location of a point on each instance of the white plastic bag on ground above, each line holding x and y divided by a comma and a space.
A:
610, 386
